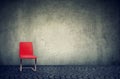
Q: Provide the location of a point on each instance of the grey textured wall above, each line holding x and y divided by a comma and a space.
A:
63, 32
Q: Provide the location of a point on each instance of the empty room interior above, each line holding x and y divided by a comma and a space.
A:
71, 39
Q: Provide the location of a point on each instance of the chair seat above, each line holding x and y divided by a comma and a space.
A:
28, 57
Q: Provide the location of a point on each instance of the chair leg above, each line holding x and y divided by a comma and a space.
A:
20, 64
35, 64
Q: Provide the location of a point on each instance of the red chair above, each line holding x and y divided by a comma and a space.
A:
26, 52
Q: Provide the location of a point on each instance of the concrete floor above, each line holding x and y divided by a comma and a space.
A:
61, 72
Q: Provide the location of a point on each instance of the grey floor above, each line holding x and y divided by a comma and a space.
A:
61, 72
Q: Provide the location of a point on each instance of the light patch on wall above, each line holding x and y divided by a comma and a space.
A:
57, 41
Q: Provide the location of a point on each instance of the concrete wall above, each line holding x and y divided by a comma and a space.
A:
63, 32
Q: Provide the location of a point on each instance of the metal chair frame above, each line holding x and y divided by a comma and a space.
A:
35, 64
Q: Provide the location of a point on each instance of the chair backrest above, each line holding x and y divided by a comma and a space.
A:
25, 48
